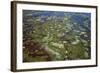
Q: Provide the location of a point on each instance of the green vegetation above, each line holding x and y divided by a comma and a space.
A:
55, 36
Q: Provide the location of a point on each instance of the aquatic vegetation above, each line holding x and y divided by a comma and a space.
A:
56, 36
